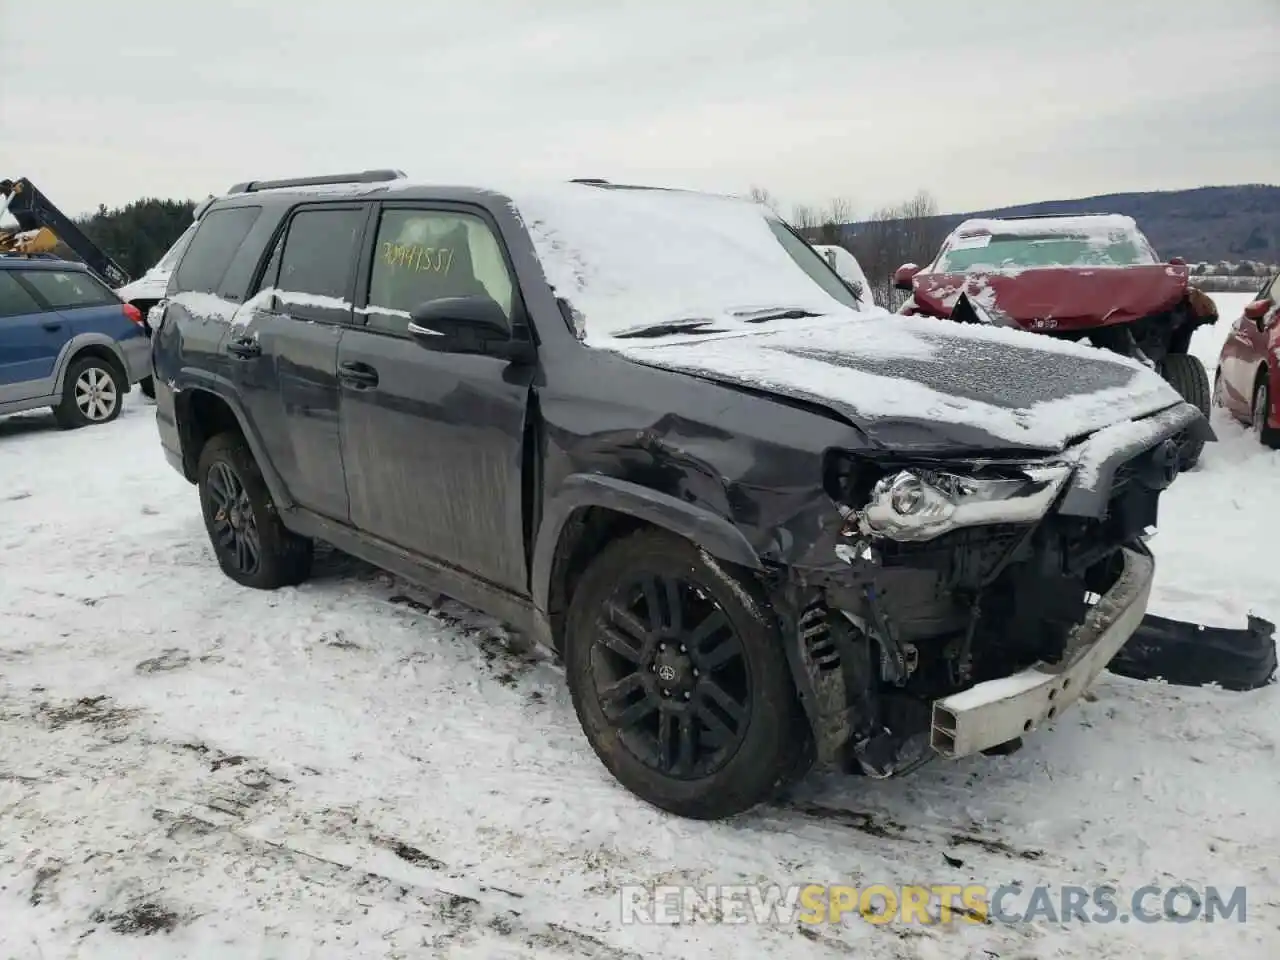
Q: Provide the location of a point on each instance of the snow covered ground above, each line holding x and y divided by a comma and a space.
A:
192, 769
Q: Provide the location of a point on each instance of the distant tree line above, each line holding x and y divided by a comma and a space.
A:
136, 235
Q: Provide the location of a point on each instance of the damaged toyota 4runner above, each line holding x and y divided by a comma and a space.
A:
761, 523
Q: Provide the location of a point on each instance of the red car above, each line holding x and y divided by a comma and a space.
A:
1247, 384
1090, 276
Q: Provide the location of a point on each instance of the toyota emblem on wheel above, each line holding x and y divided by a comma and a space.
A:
666, 673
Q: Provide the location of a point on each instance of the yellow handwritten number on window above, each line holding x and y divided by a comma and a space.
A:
411, 256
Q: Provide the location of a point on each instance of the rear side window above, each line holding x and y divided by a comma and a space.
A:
63, 290
15, 299
320, 252
218, 236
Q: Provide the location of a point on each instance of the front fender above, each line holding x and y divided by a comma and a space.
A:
711, 532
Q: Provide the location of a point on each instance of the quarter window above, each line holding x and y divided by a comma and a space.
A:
66, 289
218, 237
425, 255
15, 299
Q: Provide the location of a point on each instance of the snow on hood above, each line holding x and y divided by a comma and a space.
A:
631, 258
881, 369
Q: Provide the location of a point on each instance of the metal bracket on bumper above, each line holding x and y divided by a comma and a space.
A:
998, 711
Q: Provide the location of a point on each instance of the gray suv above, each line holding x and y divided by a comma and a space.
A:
762, 523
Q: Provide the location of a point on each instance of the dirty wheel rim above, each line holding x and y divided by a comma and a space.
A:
95, 393
235, 527
671, 676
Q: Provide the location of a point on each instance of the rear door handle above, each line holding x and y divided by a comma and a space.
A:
244, 349
358, 374
52, 326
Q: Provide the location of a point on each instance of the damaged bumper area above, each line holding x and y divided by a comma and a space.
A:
999, 711
953, 606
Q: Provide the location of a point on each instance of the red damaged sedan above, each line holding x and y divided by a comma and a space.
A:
1091, 276
1247, 384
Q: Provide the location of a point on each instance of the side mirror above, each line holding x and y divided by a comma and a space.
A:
1177, 262
1257, 310
903, 276
474, 325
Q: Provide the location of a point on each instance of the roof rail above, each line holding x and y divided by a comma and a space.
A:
366, 176
594, 181
1043, 216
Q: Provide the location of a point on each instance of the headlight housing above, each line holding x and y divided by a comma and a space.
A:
919, 504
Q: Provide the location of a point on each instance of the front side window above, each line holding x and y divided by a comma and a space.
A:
217, 238
67, 289
424, 255
319, 254
15, 299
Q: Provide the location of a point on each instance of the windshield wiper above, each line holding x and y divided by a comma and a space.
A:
764, 316
702, 325
671, 326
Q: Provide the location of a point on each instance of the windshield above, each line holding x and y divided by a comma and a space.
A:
1003, 252
627, 260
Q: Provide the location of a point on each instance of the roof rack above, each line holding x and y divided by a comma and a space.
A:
366, 176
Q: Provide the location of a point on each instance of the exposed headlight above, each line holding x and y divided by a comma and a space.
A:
915, 505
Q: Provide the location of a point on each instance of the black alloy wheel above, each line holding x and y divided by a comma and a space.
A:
671, 676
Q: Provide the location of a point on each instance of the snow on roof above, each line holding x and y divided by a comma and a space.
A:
1087, 225
627, 258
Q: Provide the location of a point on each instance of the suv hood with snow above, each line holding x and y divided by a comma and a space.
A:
1057, 298
913, 383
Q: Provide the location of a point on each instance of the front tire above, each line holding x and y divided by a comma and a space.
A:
679, 678
1187, 375
92, 394
252, 546
148, 387
1267, 436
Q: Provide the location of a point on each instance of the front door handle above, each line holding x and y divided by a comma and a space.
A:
245, 349
358, 374
51, 326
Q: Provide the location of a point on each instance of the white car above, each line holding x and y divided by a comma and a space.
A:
148, 290
846, 265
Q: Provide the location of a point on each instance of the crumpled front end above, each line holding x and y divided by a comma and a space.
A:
1057, 299
959, 605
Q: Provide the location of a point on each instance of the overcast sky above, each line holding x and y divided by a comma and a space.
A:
981, 102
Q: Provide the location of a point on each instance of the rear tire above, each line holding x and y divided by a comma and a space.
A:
252, 546
92, 394
695, 712
1187, 375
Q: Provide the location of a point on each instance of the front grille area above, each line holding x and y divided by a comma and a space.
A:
965, 557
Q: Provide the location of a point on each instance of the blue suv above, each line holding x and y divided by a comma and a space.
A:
67, 342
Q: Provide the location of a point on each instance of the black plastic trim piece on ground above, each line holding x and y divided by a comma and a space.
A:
1191, 655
